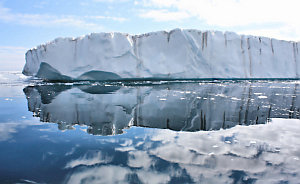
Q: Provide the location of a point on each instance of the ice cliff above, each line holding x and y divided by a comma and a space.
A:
178, 54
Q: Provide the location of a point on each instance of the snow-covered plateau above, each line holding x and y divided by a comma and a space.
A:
177, 54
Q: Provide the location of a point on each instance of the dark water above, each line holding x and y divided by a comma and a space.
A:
149, 132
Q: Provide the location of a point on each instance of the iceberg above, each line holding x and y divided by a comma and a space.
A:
177, 54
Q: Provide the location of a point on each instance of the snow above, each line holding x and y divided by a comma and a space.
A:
178, 54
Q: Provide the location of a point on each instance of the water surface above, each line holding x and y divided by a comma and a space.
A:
149, 132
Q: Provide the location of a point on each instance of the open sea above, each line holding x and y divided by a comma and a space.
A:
149, 131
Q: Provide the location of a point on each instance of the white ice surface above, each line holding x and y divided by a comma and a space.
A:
176, 54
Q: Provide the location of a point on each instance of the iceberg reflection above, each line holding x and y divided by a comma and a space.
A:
108, 109
254, 154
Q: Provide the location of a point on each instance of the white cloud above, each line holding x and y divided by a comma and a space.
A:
10, 48
285, 32
119, 19
236, 13
164, 15
12, 58
46, 20
41, 4
110, 1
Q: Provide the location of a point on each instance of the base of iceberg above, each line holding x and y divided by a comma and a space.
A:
178, 54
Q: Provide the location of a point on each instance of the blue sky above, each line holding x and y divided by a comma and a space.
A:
27, 23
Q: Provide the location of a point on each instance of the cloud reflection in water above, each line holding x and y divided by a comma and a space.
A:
267, 151
264, 153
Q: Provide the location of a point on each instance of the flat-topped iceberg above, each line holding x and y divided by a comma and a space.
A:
178, 54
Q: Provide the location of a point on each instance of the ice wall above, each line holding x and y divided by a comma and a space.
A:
178, 54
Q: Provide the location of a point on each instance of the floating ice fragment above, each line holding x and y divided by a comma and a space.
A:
261, 97
277, 149
162, 99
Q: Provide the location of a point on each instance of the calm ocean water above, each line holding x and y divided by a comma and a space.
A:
149, 132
